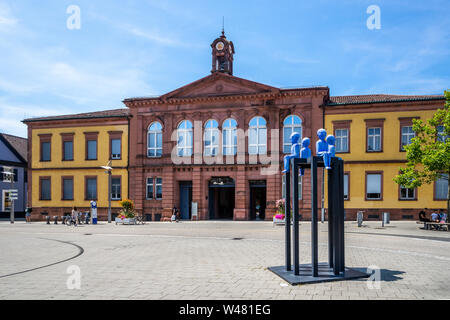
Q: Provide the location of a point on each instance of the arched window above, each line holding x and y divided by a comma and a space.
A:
257, 137
211, 138
184, 138
291, 124
229, 137
154, 140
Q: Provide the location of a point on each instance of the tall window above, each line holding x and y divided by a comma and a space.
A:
184, 138
441, 187
91, 188
45, 188
154, 140
257, 139
67, 145
45, 151
290, 125
91, 145
407, 134
373, 186
229, 137
341, 140
346, 186
116, 149
211, 138
149, 188
374, 139
283, 188
116, 188
68, 150
158, 189
67, 185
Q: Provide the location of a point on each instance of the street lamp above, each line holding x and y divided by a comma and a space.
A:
11, 177
108, 170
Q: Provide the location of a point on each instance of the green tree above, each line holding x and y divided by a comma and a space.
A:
428, 155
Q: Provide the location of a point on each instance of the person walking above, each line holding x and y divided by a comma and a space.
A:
28, 214
74, 216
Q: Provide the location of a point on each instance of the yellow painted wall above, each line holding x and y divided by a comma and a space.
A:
58, 168
78, 187
79, 147
390, 152
391, 135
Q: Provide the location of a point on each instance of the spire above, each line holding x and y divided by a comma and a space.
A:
223, 26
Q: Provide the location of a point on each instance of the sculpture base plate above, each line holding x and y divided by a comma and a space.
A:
326, 274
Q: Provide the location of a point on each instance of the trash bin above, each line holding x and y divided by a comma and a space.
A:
359, 218
386, 217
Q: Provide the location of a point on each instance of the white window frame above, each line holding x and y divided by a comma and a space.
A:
183, 131
373, 138
435, 186
259, 144
407, 197
116, 156
343, 137
300, 187
113, 193
408, 135
367, 186
288, 123
155, 132
211, 130
229, 132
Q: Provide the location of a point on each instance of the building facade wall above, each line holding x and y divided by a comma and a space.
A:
358, 161
79, 168
274, 108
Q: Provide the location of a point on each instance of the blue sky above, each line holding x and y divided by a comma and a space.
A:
147, 47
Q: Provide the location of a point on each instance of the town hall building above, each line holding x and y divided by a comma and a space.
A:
214, 149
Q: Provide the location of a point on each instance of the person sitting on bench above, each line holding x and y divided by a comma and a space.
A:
423, 217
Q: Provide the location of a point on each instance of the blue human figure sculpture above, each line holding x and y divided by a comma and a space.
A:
305, 152
331, 151
321, 144
295, 151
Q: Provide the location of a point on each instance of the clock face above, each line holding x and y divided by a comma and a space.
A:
220, 46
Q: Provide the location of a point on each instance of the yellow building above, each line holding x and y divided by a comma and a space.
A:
370, 133
65, 158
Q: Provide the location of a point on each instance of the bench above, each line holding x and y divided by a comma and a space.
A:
436, 225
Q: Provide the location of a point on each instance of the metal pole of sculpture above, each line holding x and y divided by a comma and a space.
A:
293, 163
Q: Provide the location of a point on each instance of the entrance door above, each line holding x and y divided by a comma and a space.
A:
257, 200
185, 199
221, 198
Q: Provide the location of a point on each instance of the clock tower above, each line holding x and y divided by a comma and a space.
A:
222, 55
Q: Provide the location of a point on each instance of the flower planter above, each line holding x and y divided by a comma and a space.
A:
279, 221
126, 220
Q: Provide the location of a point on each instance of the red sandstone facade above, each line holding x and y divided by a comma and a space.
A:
218, 96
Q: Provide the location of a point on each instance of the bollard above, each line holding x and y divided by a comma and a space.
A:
359, 218
55, 218
386, 218
48, 219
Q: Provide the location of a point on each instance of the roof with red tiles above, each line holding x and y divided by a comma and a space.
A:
116, 113
380, 98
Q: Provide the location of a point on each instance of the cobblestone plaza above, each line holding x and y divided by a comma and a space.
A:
213, 260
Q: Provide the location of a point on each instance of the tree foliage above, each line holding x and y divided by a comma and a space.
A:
428, 155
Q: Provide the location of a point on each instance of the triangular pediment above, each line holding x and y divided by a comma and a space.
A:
219, 84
